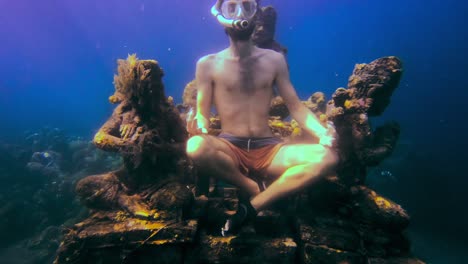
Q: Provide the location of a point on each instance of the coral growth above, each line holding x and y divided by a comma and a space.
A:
368, 94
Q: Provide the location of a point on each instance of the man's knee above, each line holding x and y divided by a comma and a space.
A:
326, 161
321, 160
198, 147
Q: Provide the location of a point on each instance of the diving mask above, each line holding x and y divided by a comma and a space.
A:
239, 9
235, 13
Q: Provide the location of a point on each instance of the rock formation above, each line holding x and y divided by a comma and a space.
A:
148, 213
140, 216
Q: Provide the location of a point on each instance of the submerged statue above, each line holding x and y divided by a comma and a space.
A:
147, 131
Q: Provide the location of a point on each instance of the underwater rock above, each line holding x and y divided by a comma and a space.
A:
148, 218
278, 108
279, 128
118, 238
395, 261
43, 246
36, 191
317, 103
368, 94
46, 164
47, 138
248, 249
374, 83
377, 210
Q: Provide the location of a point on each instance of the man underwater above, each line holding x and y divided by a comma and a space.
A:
239, 81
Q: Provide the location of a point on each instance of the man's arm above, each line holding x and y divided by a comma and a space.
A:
199, 121
306, 119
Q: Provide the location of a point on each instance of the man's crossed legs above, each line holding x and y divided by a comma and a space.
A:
293, 168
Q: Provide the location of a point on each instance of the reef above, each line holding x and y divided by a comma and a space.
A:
152, 210
38, 174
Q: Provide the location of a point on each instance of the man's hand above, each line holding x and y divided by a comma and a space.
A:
329, 137
194, 125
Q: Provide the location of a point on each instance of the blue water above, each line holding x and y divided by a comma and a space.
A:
58, 58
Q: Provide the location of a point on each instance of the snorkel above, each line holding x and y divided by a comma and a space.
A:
229, 23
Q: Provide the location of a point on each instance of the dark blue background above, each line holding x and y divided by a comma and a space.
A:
58, 57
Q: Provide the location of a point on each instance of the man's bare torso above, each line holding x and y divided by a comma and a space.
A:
242, 91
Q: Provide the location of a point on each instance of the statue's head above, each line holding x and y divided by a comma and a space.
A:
265, 26
139, 82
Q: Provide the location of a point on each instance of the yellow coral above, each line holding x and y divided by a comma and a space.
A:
277, 124
348, 104
121, 216
99, 137
113, 99
294, 123
132, 59
354, 80
323, 118
170, 100
297, 131
360, 66
382, 202
142, 213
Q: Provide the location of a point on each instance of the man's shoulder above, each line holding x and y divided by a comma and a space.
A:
210, 58
270, 54
206, 59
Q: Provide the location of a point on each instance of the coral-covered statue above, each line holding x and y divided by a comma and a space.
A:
147, 131
370, 88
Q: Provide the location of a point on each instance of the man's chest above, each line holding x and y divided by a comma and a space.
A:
244, 78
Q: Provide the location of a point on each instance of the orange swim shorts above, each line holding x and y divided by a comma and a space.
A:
254, 155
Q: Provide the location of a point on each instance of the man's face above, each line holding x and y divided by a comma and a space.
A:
240, 9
